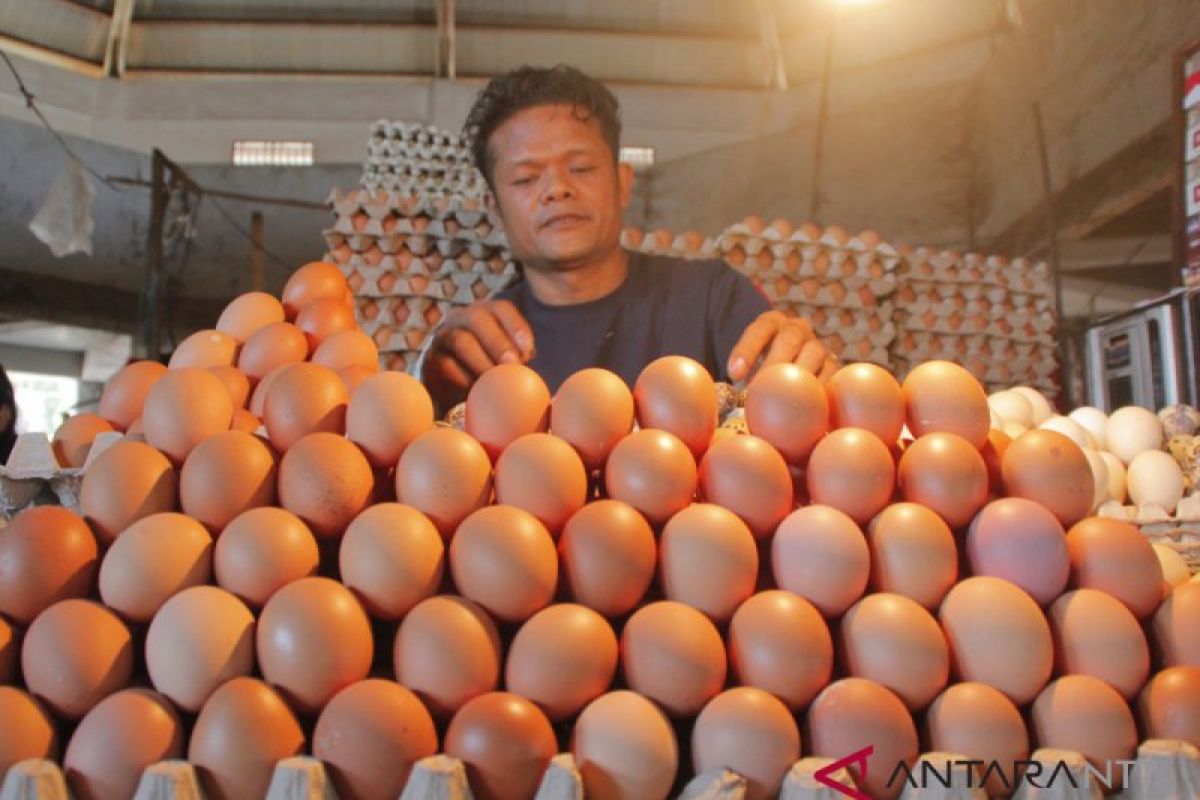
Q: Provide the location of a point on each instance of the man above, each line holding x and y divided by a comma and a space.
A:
547, 142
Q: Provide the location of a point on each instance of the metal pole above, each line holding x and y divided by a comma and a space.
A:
822, 118
256, 251
1060, 332
160, 196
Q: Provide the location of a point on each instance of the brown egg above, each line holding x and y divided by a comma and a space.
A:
385, 414
225, 475
323, 318
1049, 468
750, 732
153, 559
893, 641
304, 399
852, 471
820, 554
505, 403
1115, 557
244, 421
117, 740
313, 281
676, 394
73, 440
1022, 542
673, 654
625, 748
204, 349
29, 731
1169, 706
787, 406
503, 558
200, 638
1085, 714
1174, 626
562, 658
262, 550
236, 383
943, 472
276, 345
314, 639
185, 407
941, 397
249, 313
125, 393
392, 557
345, 349
135, 432
998, 636
654, 472
978, 722
506, 743
779, 642
1094, 634
354, 375
243, 729
749, 477
592, 410
10, 655
708, 560
75, 654
854, 712
326, 481
543, 475
447, 650
912, 553
126, 482
608, 556
370, 735
866, 396
446, 475
47, 554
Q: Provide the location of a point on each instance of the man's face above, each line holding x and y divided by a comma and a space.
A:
556, 188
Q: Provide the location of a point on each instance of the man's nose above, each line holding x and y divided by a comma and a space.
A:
557, 186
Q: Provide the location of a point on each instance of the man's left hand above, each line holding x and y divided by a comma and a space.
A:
779, 339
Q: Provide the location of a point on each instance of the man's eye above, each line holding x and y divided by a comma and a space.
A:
524, 180
582, 168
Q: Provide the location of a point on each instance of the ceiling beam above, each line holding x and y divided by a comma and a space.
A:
447, 57
53, 58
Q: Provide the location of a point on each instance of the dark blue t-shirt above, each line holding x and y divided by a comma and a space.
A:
666, 306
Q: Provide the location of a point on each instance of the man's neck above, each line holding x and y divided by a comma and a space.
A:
567, 287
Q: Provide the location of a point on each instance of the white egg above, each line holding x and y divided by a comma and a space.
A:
1132, 430
1011, 406
1099, 476
1042, 410
1094, 422
1013, 429
1069, 428
994, 420
1175, 569
1113, 509
1154, 477
1116, 476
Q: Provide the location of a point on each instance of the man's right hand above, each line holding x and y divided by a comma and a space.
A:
471, 340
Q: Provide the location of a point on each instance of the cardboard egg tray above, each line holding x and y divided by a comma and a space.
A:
33, 476
661, 242
418, 159
1163, 768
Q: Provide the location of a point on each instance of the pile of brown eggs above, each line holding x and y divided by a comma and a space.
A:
603, 571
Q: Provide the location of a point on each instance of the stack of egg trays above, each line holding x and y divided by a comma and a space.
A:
411, 259
843, 284
414, 159
992, 315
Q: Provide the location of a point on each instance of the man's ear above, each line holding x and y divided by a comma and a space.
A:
493, 209
625, 183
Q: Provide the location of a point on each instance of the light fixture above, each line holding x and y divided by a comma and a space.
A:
640, 158
250, 153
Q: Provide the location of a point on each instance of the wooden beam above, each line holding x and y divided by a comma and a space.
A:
28, 295
118, 38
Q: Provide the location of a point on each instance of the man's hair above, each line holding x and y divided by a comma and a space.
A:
527, 87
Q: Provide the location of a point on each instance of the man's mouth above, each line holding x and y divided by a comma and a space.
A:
563, 221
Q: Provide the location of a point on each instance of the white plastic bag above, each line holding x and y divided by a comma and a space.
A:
64, 221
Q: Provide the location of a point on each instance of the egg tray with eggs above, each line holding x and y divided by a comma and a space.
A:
951, 267
639, 621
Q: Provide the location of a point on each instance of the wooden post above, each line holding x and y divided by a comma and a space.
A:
151, 323
822, 119
1060, 327
256, 251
